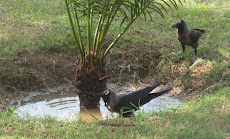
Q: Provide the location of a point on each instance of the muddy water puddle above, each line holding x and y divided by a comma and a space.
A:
62, 103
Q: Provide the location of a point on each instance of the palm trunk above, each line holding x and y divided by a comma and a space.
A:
88, 82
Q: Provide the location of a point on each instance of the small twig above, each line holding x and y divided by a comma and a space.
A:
214, 84
98, 131
110, 124
3, 105
68, 81
102, 78
113, 71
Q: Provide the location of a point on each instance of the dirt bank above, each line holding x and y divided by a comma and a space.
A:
24, 71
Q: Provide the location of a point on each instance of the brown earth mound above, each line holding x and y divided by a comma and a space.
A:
139, 67
39, 70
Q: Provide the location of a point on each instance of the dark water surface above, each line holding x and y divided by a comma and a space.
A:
63, 103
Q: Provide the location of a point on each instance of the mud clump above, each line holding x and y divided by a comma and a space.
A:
135, 65
25, 71
31, 71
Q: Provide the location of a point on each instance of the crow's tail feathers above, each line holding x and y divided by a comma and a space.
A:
149, 89
200, 30
166, 90
161, 92
157, 94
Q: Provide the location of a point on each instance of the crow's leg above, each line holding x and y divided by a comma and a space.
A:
181, 56
195, 55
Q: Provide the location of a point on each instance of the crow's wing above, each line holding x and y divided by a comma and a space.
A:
157, 94
133, 99
200, 30
195, 34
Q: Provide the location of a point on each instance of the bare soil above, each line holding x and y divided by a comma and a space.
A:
40, 70
47, 69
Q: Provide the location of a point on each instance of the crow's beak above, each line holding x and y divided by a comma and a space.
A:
174, 25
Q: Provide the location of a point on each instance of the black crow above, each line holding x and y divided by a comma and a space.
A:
125, 104
188, 36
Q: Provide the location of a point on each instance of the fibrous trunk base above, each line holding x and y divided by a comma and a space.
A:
88, 81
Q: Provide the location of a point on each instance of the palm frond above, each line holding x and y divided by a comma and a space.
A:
100, 15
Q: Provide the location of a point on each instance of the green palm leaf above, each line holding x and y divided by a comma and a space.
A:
100, 15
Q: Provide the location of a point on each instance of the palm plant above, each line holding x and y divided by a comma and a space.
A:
90, 40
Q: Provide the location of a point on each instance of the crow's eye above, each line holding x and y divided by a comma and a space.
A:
107, 92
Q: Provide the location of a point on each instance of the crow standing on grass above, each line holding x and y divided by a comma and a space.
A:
188, 36
125, 104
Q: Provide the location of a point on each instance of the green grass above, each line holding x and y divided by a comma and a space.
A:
213, 46
32, 25
207, 117
18, 80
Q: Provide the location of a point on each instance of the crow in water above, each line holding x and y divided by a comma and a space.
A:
125, 104
188, 36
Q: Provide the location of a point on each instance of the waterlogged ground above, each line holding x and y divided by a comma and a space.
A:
63, 103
